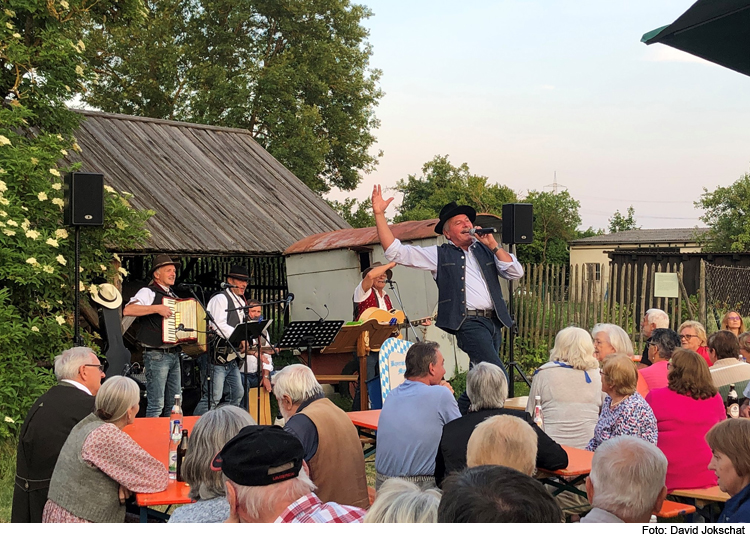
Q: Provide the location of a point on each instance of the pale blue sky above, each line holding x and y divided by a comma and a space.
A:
520, 89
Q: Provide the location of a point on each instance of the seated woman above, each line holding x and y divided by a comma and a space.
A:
214, 429
401, 501
732, 321
487, 388
570, 389
730, 446
610, 339
624, 411
100, 464
503, 440
661, 346
693, 337
685, 411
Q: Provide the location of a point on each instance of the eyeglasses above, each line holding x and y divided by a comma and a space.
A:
687, 337
100, 366
734, 318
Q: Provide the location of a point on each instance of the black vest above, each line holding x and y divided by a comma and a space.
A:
451, 275
233, 316
150, 328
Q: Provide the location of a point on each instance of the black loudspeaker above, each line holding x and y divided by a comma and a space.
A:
518, 223
84, 199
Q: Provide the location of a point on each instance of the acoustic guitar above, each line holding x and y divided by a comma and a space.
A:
393, 317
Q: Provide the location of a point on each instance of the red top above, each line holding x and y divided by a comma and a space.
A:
703, 351
655, 375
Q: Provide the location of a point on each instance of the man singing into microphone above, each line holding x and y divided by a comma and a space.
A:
161, 360
466, 270
370, 293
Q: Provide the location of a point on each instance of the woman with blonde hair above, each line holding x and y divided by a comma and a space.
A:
624, 411
570, 389
732, 321
401, 501
685, 411
503, 440
100, 465
693, 337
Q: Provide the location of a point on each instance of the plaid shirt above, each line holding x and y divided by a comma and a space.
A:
309, 508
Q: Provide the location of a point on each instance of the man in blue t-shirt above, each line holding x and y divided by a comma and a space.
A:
411, 422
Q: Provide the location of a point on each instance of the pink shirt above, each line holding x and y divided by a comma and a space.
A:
683, 423
655, 375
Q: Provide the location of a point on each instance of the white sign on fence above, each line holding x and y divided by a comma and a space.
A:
666, 285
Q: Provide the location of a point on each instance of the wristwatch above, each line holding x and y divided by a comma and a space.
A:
497, 248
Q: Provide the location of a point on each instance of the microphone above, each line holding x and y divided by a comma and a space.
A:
391, 281
187, 285
289, 298
225, 285
316, 313
184, 329
482, 231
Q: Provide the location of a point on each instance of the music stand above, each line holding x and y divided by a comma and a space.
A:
310, 334
360, 336
244, 332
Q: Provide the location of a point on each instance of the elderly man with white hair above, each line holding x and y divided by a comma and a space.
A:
330, 440
610, 339
627, 481
47, 425
652, 319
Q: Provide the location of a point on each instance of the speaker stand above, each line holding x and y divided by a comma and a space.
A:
77, 340
512, 364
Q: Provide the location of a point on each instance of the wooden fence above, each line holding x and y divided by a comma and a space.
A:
551, 297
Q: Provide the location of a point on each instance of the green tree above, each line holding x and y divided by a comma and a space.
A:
727, 215
43, 66
619, 223
295, 73
357, 214
556, 220
588, 232
441, 183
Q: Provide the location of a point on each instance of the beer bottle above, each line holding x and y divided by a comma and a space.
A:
732, 403
538, 416
181, 451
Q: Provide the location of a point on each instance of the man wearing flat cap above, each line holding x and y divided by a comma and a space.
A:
267, 481
228, 310
466, 270
370, 293
161, 360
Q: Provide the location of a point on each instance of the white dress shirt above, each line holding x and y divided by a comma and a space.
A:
477, 292
77, 385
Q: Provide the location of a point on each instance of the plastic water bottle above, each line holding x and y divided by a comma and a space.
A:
174, 444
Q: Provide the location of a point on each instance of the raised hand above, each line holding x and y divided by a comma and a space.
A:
378, 203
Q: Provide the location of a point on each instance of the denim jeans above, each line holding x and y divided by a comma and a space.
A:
480, 338
163, 381
225, 381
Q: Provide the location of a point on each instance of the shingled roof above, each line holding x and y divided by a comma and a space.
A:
644, 237
215, 190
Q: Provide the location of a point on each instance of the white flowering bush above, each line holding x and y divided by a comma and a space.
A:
43, 66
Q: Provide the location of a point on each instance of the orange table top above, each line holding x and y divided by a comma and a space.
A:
365, 419
579, 462
713, 493
152, 434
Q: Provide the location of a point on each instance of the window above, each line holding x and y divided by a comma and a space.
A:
593, 271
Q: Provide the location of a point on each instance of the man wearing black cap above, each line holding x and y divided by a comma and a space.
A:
161, 360
267, 482
466, 270
224, 369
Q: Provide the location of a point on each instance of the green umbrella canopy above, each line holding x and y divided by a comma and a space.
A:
716, 30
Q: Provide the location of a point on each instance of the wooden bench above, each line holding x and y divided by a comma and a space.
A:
333, 379
704, 499
671, 509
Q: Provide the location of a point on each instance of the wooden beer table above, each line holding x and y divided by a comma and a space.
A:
519, 403
152, 434
567, 479
367, 426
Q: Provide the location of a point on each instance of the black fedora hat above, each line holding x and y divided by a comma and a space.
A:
452, 209
238, 272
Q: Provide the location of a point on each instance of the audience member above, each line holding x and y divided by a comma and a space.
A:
727, 368
624, 411
730, 461
733, 322
401, 501
661, 346
503, 440
744, 339
491, 493
100, 465
626, 483
685, 411
610, 339
48, 424
330, 440
693, 337
652, 319
211, 432
487, 388
570, 389
266, 481
412, 419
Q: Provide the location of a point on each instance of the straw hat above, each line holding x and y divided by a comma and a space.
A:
108, 296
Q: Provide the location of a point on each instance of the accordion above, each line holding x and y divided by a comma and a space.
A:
186, 326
